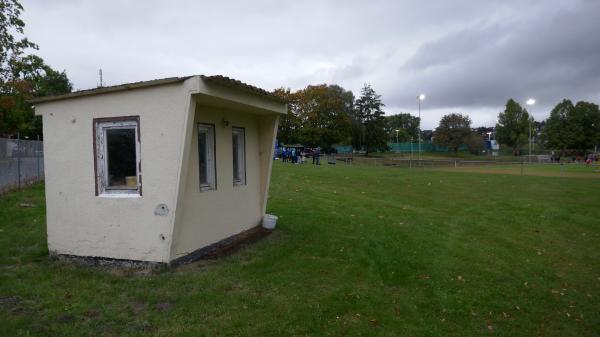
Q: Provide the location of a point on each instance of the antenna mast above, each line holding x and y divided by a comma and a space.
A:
101, 84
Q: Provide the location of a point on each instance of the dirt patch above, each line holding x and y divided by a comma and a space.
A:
9, 300
138, 308
65, 318
91, 314
163, 306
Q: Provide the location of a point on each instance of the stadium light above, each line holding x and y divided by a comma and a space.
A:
530, 102
419, 99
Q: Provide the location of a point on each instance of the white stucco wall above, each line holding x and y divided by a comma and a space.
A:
81, 223
210, 216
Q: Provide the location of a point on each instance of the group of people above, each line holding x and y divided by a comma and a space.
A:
291, 155
298, 155
591, 158
588, 158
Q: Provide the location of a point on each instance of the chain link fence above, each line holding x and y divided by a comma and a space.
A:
21, 163
538, 165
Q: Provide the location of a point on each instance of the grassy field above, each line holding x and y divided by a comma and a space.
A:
359, 251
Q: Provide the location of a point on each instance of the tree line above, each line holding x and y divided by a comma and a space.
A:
23, 75
570, 128
325, 115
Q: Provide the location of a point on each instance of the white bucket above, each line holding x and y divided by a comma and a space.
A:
269, 221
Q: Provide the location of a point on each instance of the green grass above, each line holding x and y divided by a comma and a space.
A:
359, 251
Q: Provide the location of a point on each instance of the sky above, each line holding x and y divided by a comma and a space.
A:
466, 56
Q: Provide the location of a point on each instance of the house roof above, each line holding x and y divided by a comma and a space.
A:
216, 79
233, 83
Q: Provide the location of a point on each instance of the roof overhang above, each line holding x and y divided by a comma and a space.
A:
219, 91
111, 89
216, 80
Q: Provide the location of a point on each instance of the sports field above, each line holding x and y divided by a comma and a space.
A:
359, 251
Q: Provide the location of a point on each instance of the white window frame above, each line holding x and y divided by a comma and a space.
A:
241, 132
101, 126
211, 164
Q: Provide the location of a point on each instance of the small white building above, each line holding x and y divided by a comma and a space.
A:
161, 171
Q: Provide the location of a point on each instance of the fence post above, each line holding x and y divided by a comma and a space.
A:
37, 154
19, 159
521, 166
455, 164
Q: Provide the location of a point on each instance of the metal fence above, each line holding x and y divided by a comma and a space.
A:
21, 163
428, 163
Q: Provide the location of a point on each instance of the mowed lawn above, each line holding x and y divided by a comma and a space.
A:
358, 251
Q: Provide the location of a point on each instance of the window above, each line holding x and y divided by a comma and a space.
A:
239, 156
117, 157
206, 157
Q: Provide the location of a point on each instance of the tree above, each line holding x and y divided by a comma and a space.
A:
586, 122
325, 114
288, 131
368, 111
357, 132
12, 48
453, 131
475, 143
557, 133
318, 115
35, 79
575, 127
22, 76
406, 123
512, 126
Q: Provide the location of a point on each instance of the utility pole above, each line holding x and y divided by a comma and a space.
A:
19, 158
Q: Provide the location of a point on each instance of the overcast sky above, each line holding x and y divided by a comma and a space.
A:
467, 56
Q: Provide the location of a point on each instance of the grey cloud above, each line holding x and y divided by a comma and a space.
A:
548, 57
462, 53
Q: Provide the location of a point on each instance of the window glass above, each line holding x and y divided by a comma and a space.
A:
203, 158
239, 156
206, 157
121, 158
117, 156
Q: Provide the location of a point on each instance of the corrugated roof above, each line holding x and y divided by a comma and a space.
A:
114, 88
216, 79
233, 83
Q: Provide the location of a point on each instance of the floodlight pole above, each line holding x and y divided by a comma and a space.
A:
530, 139
419, 99
530, 102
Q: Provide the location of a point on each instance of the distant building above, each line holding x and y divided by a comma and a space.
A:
492, 145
